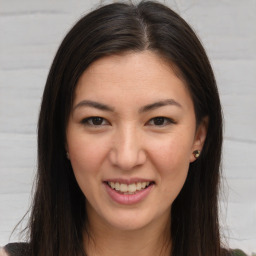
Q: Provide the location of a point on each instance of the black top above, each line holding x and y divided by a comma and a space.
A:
17, 249
22, 249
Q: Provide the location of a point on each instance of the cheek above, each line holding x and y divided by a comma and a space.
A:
86, 155
85, 158
172, 154
171, 160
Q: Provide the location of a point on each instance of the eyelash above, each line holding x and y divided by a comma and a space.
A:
90, 121
166, 120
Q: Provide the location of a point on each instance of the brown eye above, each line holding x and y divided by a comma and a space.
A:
95, 121
160, 121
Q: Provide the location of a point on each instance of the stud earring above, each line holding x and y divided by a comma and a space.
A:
67, 155
196, 153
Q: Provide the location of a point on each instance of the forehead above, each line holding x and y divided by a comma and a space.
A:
137, 76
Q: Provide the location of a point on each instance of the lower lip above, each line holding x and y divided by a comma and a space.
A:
128, 199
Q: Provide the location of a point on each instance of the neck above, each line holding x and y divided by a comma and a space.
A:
153, 240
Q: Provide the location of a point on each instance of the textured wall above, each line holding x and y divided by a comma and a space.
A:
30, 32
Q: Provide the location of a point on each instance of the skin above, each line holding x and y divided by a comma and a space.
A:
3, 252
129, 142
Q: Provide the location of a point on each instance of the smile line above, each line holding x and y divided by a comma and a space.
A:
129, 188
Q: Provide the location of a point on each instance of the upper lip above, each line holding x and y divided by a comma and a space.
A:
128, 181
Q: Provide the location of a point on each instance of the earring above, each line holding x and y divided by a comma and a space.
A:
196, 153
67, 155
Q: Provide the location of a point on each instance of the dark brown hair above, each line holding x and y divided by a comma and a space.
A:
58, 217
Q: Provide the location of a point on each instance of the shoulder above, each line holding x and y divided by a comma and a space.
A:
3, 252
238, 252
234, 252
15, 249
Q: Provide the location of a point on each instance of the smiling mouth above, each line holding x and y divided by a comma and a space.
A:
129, 189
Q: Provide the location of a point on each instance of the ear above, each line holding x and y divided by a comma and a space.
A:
200, 136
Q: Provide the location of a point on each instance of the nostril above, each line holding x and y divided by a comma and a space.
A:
126, 158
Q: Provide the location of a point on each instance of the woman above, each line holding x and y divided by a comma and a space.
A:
129, 141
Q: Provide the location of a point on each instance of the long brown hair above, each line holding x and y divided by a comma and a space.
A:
58, 217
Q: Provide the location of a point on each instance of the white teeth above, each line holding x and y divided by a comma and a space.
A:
132, 188
138, 186
117, 186
129, 189
123, 187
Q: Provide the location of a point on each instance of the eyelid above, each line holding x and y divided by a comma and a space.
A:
167, 121
88, 121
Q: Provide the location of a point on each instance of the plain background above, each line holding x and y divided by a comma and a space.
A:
30, 33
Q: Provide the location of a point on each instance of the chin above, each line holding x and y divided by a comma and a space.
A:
131, 225
132, 221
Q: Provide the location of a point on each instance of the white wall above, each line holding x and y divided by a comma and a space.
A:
30, 32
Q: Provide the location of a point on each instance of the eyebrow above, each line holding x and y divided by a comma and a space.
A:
149, 107
94, 104
159, 104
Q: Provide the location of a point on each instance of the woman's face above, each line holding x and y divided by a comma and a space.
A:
130, 138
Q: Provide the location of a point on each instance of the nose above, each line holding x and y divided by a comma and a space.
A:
127, 151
